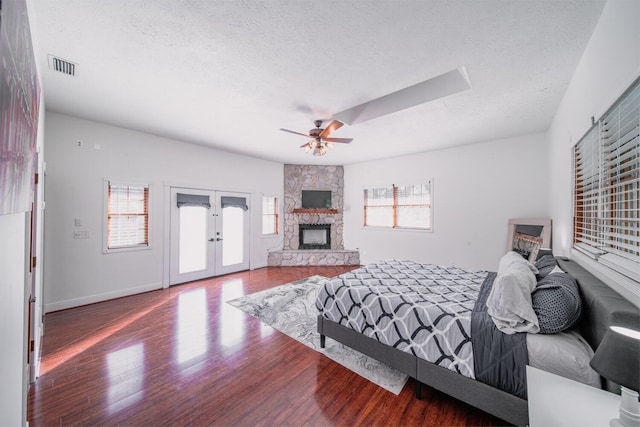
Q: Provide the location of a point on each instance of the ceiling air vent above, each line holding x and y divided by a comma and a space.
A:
62, 65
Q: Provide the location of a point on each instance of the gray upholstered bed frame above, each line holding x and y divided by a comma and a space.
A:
601, 307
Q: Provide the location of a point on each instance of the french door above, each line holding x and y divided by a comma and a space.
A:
209, 234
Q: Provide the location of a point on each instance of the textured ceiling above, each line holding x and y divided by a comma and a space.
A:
229, 74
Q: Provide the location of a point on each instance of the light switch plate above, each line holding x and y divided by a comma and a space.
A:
81, 234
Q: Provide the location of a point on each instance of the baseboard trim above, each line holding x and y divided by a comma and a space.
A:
92, 299
259, 265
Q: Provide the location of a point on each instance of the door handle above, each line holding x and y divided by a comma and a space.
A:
218, 239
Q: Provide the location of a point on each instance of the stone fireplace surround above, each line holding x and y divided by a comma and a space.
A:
311, 177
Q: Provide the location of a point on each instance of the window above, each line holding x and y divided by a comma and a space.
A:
127, 216
269, 215
398, 206
607, 187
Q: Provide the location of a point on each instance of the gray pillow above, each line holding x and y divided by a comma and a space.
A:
556, 301
544, 265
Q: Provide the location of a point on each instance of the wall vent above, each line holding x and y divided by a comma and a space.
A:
62, 65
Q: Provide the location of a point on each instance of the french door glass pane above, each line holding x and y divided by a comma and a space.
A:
193, 239
233, 232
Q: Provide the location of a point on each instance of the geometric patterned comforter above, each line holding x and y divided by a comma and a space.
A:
422, 309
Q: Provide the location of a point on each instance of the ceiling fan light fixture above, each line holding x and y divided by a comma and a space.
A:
320, 142
319, 151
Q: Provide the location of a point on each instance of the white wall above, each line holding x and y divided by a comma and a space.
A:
14, 229
608, 66
477, 188
76, 270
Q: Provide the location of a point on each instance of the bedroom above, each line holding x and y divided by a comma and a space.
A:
74, 275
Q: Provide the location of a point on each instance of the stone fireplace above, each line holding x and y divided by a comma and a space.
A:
322, 249
308, 177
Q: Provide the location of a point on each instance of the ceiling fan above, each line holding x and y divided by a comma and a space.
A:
320, 140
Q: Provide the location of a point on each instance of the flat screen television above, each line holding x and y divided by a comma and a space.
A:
315, 199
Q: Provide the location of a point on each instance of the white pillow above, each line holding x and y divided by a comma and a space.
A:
509, 302
566, 354
511, 258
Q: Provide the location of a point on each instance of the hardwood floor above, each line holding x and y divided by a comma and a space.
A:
182, 356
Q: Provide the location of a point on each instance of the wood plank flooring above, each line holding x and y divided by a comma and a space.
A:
182, 356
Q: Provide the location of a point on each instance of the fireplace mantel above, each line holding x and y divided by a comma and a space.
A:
315, 211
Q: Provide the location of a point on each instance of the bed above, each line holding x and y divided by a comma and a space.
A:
376, 309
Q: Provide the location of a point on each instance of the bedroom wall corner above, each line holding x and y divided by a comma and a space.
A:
609, 64
477, 188
594, 87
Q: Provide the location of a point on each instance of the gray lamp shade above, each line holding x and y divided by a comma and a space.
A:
618, 357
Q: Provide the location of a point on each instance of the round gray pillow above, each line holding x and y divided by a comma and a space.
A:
556, 301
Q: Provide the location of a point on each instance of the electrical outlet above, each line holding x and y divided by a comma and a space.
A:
81, 234
77, 222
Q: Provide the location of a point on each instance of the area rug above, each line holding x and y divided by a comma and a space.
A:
291, 309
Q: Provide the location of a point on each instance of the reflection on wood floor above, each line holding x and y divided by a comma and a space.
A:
182, 356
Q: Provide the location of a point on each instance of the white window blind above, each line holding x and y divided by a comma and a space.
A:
127, 216
587, 192
398, 206
413, 203
378, 206
269, 215
607, 187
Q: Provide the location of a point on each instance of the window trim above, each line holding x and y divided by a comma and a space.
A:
105, 216
430, 228
596, 189
276, 214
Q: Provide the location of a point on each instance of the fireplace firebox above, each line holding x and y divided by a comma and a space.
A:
315, 236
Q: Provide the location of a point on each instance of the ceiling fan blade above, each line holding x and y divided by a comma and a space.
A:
333, 126
297, 133
340, 140
446, 84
